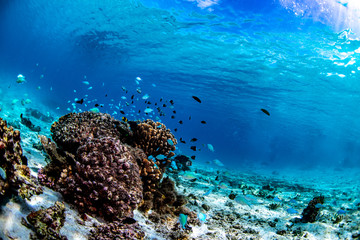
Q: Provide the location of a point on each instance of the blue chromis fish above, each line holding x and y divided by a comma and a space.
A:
170, 142
319, 205
341, 212
160, 157
2, 173
183, 220
208, 192
291, 211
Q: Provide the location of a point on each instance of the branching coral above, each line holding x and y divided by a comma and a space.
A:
14, 163
74, 129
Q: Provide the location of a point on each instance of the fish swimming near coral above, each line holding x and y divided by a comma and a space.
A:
183, 220
20, 78
2, 173
210, 147
292, 211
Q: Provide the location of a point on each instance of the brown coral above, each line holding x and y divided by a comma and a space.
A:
104, 179
13, 162
74, 129
154, 139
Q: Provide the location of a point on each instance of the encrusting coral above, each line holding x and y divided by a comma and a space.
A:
14, 164
312, 210
47, 222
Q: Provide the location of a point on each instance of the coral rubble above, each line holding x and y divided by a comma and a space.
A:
47, 222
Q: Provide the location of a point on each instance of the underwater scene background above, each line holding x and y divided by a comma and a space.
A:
260, 95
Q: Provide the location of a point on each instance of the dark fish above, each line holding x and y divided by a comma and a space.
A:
164, 105
217, 178
193, 157
203, 122
189, 117
155, 104
181, 122
105, 95
172, 116
80, 101
139, 111
174, 111
193, 140
145, 101
160, 99
124, 119
193, 148
265, 111
172, 102
148, 102
122, 112
132, 102
101, 105
182, 141
196, 99
175, 129
132, 97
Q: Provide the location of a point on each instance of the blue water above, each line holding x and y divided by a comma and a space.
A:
296, 59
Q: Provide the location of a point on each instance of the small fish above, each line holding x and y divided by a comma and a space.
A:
182, 141
172, 102
181, 122
160, 157
148, 110
172, 117
124, 119
80, 101
218, 163
193, 140
293, 201
174, 112
196, 99
207, 193
170, 142
175, 129
164, 105
96, 105
222, 186
210, 147
86, 82
123, 98
193, 148
2, 173
132, 97
189, 117
146, 96
122, 112
265, 111
183, 220
276, 199
319, 205
292, 211
341, 212
193, 157
124, 88
89, 88
138, 90
202, 217
189, 176
203, 122
94, 110
20, 79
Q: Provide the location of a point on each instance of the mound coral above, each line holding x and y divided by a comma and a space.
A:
47, 222
104, 180
14, 164
74, 129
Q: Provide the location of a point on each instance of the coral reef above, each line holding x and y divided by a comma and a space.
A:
14, 164
47, 222
154, 139
127, 229
311, 211
104, 179
27, 122
74, 129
